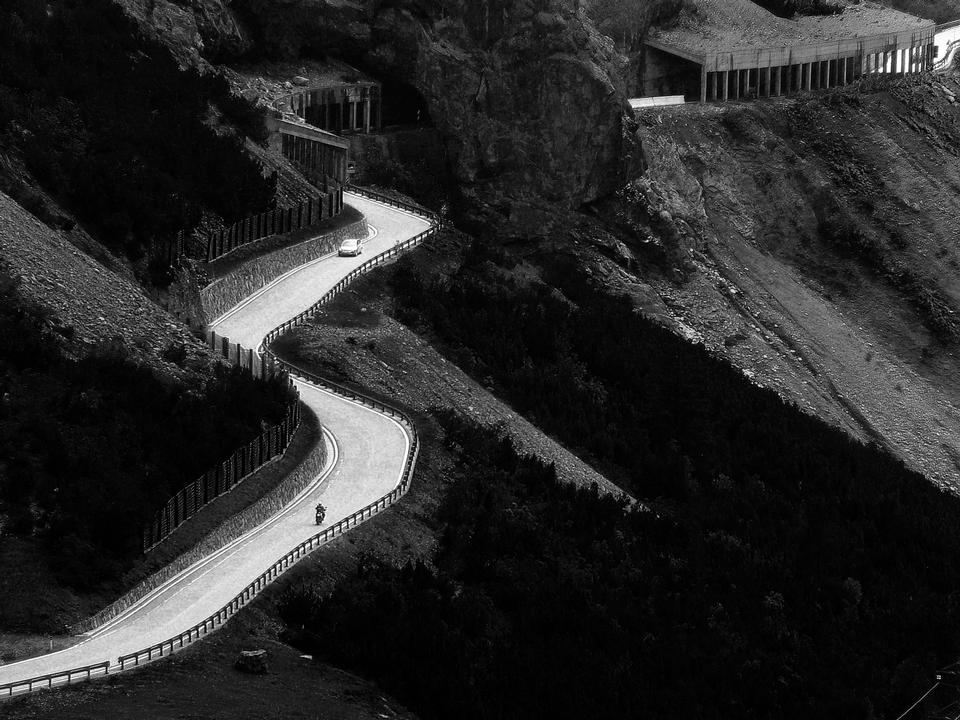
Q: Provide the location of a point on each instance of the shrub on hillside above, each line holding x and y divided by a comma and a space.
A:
790, 8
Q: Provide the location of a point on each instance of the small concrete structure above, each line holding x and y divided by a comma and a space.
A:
733, 51
320, 155
656, 101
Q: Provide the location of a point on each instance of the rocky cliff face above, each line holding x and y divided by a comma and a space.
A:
524, 91
197, 31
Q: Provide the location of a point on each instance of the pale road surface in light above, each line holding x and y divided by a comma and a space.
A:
370, 451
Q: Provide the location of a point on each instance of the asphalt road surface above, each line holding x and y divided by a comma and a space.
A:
367, 451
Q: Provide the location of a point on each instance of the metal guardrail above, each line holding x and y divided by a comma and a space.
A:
387, 200
949, 55
214, 621
48, 681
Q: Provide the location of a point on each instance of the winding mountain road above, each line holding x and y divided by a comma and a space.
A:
367, 452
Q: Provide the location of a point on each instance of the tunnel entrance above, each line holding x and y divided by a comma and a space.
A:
402, 104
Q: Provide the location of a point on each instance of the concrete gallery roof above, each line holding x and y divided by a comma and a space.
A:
728, 26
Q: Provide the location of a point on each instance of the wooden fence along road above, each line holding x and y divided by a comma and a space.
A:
372, 453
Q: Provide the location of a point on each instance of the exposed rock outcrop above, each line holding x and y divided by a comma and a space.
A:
525, 93
197, 31
253, 662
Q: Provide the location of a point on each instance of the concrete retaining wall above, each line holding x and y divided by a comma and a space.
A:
230, 529
222, 294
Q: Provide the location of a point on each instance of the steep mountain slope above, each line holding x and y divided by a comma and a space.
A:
526, 94
818, 240
98, 304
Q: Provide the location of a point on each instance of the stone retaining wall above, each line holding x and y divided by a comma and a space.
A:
222, 294
229, 530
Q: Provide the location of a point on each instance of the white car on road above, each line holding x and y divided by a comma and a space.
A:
351, 246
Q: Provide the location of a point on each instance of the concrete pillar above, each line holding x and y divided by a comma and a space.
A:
703, 83
366, 113
353, 116
736, 84
829, 70
777, 79
843, 71
726, 84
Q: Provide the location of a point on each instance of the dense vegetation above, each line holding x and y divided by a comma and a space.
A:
110, 125
91, 448
785, 570
790, 8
